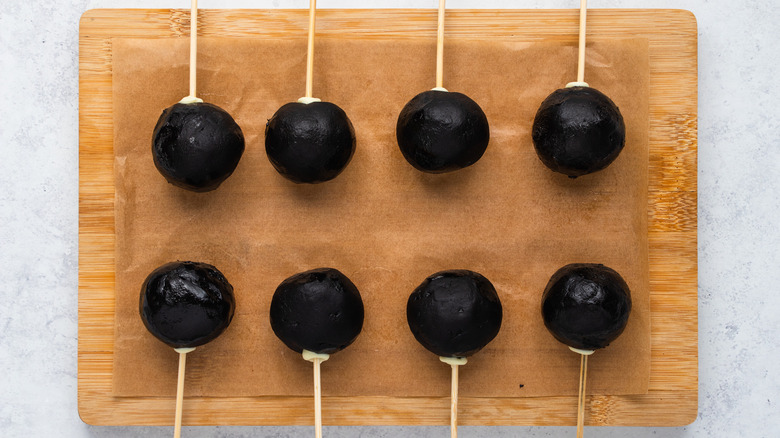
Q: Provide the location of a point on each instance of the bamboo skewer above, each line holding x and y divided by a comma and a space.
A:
581, 396
581, 56
193, 46
454, 362
180, 390
192, 97
440, 47
310, 49
317, 359
454, 403
317, 399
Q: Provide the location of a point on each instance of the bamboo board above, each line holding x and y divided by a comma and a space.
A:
672, 398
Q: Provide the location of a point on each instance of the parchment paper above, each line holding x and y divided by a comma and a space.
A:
382, 223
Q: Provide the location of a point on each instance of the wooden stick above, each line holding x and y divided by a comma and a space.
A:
317, 399
454, 403
454, 362
581, 57
310, 51
180, 390
316, 359
581, 397
440, 47
193, 45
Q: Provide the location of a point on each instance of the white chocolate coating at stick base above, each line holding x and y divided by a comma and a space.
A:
191, 99
308, 100
453, 360
577, 84
311, 356
583, 352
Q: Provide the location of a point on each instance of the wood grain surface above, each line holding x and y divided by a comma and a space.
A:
672, 398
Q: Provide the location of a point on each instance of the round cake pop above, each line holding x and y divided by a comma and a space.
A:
454, 313
320, 311
578, 130
586, 305
440, 131
196, 145
309, 142
186, 304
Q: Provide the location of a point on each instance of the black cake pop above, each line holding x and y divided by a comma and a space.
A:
578, 130
454, 313
440, 131
586, 305
309, 142
186, 304
196, 145
318, 310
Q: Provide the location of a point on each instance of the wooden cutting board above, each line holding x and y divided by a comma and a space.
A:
672, 398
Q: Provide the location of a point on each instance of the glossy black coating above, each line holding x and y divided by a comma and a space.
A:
440, 131
186, 304
586, 305
578, 130
196, 146
309, 143
454, 313
319, 310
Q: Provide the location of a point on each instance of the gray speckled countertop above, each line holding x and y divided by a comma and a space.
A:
739, 219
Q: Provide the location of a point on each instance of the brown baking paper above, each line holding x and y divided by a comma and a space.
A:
381, 222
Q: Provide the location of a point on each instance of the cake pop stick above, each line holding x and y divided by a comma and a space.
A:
454, 402
316, 359
440, 48
581, 393
317, 398
180, 389
454, 362
310, 49
193, 50
581, 56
